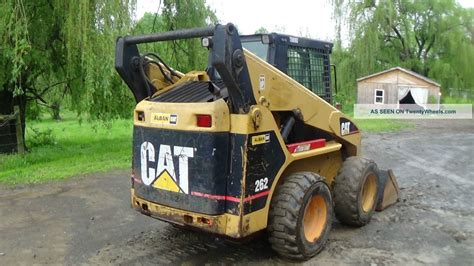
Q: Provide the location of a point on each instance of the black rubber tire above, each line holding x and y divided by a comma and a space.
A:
288, 205
347, 191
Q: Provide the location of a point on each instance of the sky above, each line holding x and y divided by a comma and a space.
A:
311, 18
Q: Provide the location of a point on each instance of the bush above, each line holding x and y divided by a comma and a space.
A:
456, 100
41, 138
347, 102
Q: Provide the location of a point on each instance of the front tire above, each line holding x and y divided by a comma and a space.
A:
300, 216
355, 191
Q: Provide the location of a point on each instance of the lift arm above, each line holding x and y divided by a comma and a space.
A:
227, 58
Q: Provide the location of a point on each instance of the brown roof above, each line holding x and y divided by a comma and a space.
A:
403, 70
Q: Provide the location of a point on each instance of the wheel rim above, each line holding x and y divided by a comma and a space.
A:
314, 219
368, 192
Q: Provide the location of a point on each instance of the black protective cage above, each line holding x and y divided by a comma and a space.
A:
303, 59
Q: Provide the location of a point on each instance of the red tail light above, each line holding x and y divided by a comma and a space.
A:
204, 120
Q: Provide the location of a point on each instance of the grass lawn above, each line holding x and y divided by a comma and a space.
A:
376, 125
382, 125
77, 149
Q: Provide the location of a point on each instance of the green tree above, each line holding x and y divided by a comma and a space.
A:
183, 55
261, 30
186, 55
149, 23
54, 51
433, 38
152, 23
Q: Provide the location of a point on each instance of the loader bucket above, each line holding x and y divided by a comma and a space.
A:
389, 191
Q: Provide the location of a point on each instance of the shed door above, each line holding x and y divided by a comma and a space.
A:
419, 96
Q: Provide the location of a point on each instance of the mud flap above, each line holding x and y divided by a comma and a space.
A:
389, 191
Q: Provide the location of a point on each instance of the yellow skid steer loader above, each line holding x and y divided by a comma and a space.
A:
252, 143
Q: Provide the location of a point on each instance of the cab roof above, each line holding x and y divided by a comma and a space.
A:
284, 39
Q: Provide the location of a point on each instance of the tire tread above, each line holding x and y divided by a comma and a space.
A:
284, 212
346, 190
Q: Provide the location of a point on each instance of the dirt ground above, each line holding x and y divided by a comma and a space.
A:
88, 220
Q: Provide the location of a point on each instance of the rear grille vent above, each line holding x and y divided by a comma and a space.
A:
189, 92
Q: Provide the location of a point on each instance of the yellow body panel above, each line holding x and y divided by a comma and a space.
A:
186, 115
282, 93
278, 93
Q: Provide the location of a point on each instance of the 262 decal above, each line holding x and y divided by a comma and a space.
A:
261, 184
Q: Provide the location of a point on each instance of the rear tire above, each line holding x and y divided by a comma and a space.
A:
355, 191
300, 216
